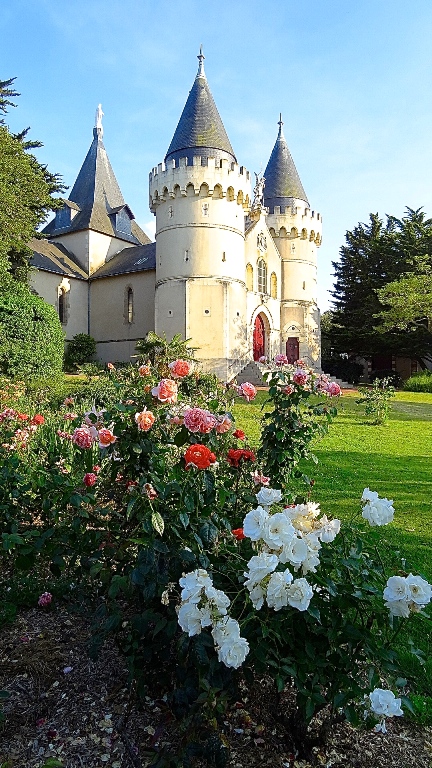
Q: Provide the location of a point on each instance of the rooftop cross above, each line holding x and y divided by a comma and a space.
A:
201, 58
98, 121
280, 124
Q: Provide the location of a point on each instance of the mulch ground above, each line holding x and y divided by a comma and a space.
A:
69, 709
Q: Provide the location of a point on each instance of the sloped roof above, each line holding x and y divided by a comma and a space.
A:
96, 194
282, 182
140, 258
200, 126
54, 257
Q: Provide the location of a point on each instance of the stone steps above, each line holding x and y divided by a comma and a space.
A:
253, 373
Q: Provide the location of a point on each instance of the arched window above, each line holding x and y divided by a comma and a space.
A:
249, 277
273, 285
62, 306
130, 310
262, 276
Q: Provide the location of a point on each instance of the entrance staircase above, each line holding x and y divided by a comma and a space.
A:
253, 373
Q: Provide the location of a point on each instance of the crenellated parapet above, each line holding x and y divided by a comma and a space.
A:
218, 179
297, 222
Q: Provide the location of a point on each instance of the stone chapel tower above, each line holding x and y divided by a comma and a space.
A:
296, 231
199, 195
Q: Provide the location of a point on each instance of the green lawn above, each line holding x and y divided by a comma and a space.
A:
395, 460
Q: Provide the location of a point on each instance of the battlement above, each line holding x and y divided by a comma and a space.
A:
296, 210
218, 179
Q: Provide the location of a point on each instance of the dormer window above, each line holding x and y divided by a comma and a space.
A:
121, 218
66, 214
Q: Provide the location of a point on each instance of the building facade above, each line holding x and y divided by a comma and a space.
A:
233, 268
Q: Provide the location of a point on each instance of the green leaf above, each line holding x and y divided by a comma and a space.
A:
208, 533
158, 522
184, 519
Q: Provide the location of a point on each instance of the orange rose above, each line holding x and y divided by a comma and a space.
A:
166, 391
145, 420
144, 370
106, 438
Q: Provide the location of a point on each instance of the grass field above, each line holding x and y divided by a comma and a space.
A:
396, 461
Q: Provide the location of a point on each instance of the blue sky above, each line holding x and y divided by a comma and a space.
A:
352, 79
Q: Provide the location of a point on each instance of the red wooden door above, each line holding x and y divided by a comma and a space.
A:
292, 349
258, 338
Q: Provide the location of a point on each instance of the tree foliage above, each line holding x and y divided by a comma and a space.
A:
382, 267
26, 193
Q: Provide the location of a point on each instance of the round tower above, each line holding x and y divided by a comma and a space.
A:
297, 233
199, 196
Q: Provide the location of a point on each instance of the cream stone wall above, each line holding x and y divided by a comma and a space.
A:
48, 285
115, 335
298, 235
200, 257
91, 249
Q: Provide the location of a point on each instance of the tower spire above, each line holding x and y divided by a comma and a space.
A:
98, 127
282, 180
201, 58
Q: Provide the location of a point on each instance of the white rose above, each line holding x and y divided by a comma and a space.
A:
300, 594
257, 595
226, 630
218, 598
369, 495
329, 529
277, 590
278, 531
268, 496
260, 566
385, 703
310, 564
378, 511
254, 522
420, 590
295, 552
398, 608
313, 508
193, 583
233, 653
189, 618
397, 589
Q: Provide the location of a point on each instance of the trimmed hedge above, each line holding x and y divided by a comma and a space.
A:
419, 382
31, 337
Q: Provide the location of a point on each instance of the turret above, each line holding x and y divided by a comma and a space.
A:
199, 196
296, 231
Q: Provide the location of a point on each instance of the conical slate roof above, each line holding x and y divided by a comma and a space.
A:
97, 197
200, 130
282, 182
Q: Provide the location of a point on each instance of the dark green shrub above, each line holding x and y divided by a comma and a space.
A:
31, 337
80, 350
347, 370
419, 382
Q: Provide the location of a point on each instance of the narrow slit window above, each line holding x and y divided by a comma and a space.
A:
130, 307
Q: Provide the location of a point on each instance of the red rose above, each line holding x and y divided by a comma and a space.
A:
38, 419
199, 456
90, 479
238, 533
239, 434
236, 455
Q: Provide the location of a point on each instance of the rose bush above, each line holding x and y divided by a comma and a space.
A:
206, 560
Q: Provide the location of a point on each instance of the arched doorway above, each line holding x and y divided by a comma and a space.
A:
259, 339
292, 349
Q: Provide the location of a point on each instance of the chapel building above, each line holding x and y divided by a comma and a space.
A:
234, 272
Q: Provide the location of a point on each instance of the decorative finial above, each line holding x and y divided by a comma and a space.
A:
280, 124
98, 129
201, 58
258, 200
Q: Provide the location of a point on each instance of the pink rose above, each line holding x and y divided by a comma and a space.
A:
288, 390
260, 479
106, 438
333, 389
199, 420
180, 368
223, 424
300, 377
145, 420
89, 479
82, 437
281, 360
247, 390
262, 359
166, 391
45, 599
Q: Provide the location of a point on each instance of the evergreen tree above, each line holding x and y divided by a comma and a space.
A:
375, 255
26, 193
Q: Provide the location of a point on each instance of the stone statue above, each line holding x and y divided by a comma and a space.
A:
98, 119
258, 200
